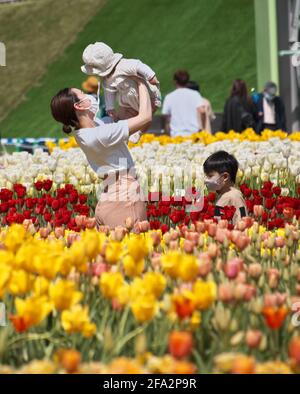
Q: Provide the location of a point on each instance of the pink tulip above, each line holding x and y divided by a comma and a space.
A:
223, 223
212, 229
156, 260
250, 292
258, 210
59, 232
205, 266
129, 223
270, 300
156, 238
225, 292
44, 232
119, 233
90, 223
235, 235
242, 242
240, 291
80, 220
233, 267
241, 278
72, 237
213, 250
200, 227
221, 235
281, 298
193, 237
174, 235
255, 270
99, 269
279, 242
173, 245
188, 246
116, 305
248, 221
104, 229
253, 338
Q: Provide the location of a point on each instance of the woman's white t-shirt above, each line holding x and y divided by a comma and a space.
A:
105, 146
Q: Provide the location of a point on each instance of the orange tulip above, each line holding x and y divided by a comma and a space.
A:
69, 359
184, 306
180, 343
294, 349
20, 323
243, 365
275, 317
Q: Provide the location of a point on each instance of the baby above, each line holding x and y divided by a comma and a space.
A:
220, 170
116, 74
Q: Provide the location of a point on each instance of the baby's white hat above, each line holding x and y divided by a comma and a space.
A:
99, 59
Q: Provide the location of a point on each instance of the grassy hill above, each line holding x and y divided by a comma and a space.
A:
214, 40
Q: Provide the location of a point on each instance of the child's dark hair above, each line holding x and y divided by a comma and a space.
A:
220, 162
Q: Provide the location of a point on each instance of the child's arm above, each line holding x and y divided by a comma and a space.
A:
146, 72
133, 67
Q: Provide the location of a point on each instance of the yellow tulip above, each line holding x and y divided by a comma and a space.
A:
41, 286
92, 243
155, 283
110, 282
5, 273
20, 282
137, 247
144, 308
205, 294
33, 310
64, 295
78, 256
113, 252
188, 268
14, 238
131, 267
77, 320
171, 262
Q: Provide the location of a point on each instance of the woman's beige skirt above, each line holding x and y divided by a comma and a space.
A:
120, 200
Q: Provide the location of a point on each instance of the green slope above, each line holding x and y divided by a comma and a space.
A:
36, 33
213, 39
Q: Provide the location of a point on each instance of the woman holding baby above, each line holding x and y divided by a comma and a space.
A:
105, 145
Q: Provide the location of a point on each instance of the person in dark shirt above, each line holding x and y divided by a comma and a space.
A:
271, 110
240, 112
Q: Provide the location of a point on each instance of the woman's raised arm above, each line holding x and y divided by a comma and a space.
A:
145, 110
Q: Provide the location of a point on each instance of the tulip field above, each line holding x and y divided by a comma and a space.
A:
179, 293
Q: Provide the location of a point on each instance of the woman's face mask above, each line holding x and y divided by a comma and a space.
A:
94, 102
214, 183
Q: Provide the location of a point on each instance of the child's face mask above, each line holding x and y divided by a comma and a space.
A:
214, 183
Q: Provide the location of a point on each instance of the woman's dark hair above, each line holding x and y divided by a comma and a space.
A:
239, 89
193, 85
220, 162
181, 77
63, 111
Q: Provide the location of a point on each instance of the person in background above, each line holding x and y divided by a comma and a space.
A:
209, 115
183, 108
239, 111
220, 170
271, 110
